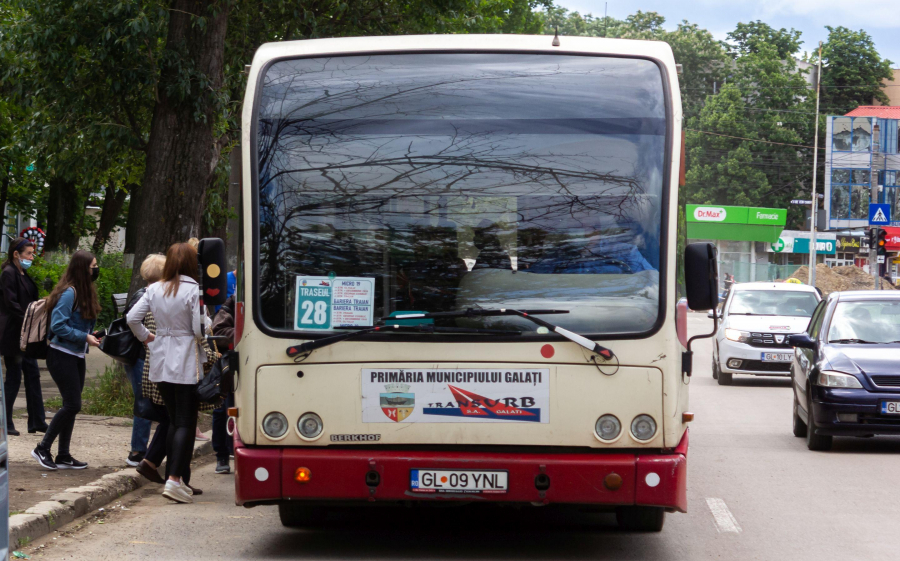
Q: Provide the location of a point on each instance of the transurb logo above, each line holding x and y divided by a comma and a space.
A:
710, 214
397, 403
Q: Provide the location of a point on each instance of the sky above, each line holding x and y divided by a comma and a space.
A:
880, 18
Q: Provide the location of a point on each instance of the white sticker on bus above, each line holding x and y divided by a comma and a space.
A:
325, 303
456, 396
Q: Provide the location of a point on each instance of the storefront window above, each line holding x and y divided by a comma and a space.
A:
841, 134
862, 134
840, 176
840, 201
859, 202
851, 134
850, 190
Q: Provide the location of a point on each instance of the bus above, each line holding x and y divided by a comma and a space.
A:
457, 277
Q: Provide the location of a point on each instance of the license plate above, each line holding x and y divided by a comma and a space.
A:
458, 481
776, 357
890, 407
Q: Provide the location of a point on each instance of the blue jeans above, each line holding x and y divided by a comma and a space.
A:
222, 443
140, 430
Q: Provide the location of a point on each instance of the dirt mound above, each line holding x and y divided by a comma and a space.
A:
840, 279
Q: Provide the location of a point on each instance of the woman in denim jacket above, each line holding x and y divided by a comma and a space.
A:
74, 308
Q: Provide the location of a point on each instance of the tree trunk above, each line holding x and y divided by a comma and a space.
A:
4, 198
113, 200
64, 208
131, 223
182, 151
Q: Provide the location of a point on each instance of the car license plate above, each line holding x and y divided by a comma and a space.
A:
776, 357
458, 481
890, 407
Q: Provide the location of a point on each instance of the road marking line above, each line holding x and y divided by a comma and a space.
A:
725, 521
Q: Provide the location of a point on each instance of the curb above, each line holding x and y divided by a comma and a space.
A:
65, 507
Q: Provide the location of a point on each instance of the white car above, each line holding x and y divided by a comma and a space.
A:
755, 321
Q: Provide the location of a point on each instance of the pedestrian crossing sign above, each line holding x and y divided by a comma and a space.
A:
879, 214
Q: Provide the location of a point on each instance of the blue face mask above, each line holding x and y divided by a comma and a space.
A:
25, 263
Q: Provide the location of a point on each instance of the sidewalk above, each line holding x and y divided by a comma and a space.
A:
102, 442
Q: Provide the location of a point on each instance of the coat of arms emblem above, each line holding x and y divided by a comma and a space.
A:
397, 403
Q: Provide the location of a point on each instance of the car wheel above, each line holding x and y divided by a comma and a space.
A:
724, 378
799, 425
298, 515
641, 518
715, 368
818, 442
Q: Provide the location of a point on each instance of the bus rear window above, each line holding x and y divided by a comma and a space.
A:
442, 182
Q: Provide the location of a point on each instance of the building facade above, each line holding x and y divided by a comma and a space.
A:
862, 149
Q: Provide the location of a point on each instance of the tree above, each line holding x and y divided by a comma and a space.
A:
854, 72
746, 145
80, 72
750, 38
703, 59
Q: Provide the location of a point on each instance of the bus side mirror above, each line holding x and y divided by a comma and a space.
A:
701, 276
211, 255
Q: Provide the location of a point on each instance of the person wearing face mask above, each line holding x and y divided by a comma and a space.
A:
74, 308
17, 291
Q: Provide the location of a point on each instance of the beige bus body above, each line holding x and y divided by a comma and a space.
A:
328, 382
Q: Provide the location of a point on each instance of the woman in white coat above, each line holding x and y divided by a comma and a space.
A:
175, 356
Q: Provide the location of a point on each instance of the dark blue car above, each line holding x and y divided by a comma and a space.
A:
846, 368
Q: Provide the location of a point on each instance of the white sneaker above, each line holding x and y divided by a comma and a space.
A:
187, 488
176, 493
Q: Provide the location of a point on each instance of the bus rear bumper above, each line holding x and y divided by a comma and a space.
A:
266, 475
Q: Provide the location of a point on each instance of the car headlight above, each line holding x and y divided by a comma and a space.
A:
608, 427
275, 425
310, 425
736, 334
643, 427
831, 379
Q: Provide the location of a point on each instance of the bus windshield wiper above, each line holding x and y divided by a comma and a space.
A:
303, 350
527, 314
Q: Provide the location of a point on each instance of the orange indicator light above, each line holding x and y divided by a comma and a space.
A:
302, 475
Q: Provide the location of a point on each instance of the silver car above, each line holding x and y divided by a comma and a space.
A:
756, 319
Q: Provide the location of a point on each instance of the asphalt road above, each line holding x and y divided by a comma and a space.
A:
755, 492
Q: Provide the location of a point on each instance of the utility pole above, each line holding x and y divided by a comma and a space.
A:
874, 266
605, 21
815, 200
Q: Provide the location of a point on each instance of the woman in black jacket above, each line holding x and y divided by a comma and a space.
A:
17, 290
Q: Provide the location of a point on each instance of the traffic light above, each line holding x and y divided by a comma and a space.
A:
881, 240
873, 237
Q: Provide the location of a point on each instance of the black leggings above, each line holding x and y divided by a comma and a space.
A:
156, 451
68, 373
181, 404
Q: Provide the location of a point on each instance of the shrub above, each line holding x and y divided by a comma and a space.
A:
110, 394
115, 277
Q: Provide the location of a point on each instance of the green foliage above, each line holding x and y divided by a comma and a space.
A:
704, 60
750, 38
853, 72
109, 394
751, 148
114, 278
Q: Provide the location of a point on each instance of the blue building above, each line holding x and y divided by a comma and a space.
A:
862, 149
